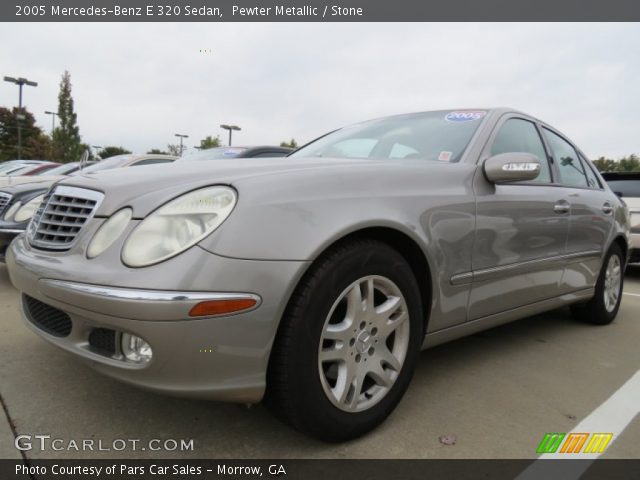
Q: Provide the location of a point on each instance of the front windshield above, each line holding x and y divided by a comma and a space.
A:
433, 136
218, 153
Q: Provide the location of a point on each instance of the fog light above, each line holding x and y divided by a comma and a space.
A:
136, 349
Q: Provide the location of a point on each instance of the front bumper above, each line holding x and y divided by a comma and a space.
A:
6, 237
218, 358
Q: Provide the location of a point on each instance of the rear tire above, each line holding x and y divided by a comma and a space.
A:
348, 342
603, 307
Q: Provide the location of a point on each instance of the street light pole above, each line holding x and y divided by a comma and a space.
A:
231, 128
181, 137
53, 120
20, 82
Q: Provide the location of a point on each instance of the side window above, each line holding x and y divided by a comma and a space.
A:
151, 161
569, 164
517, 135
591, 177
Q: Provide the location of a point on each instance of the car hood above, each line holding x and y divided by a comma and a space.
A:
146, 188
8, 181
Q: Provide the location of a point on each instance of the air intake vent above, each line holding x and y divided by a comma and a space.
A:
103, 341
61, 216
53, 321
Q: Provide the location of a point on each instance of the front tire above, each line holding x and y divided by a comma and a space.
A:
348, 343
603, 307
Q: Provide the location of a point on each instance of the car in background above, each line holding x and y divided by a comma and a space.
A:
128, 160
222, 153
69, 168
10, 166
18, 202
29, 170
313, 281
27, 173
627, 186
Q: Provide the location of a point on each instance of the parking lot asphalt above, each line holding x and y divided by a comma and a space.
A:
492, 395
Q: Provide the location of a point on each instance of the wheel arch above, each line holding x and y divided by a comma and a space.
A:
622, 243
401, 242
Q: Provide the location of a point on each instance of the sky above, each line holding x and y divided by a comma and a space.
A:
138, 84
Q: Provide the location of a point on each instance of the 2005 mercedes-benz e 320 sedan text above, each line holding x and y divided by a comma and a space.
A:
314, 280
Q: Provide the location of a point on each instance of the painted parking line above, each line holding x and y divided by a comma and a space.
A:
613, 416
631, 294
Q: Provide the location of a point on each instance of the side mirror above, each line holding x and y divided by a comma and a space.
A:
511, 167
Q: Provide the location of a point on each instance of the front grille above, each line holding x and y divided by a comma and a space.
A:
53, 321
5, 199
61, 216
103, 341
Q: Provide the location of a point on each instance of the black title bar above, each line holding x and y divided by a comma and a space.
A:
318, 11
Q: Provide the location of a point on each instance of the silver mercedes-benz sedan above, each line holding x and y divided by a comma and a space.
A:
314, 281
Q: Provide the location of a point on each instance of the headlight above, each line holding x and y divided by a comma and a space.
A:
178, 225
14, 208
27, 211
108, 232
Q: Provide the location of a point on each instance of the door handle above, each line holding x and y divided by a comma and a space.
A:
561, 207
607, 208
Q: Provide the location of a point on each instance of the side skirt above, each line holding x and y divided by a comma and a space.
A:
458, 331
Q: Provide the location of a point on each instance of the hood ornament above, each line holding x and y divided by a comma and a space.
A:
84, 160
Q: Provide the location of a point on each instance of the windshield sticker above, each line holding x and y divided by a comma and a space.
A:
445, 156
465, 116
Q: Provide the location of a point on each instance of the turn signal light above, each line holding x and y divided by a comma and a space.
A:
222, 307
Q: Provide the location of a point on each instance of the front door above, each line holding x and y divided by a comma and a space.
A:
521, 229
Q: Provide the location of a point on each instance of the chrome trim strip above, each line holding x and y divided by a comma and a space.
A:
493, 273
462, 278
83, 193
6, 201
119, 293
11, 230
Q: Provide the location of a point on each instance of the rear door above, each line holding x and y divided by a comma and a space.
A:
521, 228
591, 213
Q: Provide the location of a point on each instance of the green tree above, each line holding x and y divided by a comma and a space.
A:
630, 163
35, 144
66, 137
157, 151
39, 146
174, 149
291, 144
112, 151
210, 142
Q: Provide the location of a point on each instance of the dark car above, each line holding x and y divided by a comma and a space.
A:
17, 205
627, 186
19, 201
222, 153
